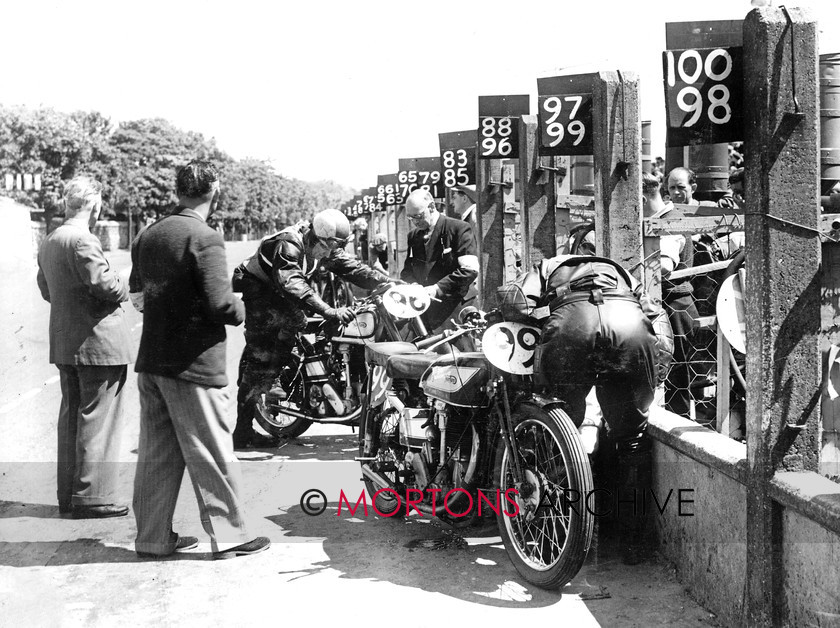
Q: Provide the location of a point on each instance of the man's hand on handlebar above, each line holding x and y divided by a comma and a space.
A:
342, 314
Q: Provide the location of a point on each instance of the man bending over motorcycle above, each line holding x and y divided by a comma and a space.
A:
277, 295
604, 332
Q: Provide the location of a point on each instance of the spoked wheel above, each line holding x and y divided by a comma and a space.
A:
269, 413
547, 540
380, 427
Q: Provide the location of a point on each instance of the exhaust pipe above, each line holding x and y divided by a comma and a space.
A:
421, 471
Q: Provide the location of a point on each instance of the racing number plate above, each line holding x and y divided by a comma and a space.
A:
510, 347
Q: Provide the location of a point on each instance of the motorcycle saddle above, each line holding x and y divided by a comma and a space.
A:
379, 352
410, 365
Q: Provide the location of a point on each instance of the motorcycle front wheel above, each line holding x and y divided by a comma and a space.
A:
548, 536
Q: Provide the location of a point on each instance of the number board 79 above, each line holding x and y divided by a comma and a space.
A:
703, 95
565, 124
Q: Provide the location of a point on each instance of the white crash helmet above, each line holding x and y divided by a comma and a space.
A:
331, 224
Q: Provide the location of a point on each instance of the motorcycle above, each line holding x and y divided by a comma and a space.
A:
326, 380
472, 424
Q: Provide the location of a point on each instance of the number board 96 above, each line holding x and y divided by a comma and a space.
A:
566, 124
498, 137
703, 95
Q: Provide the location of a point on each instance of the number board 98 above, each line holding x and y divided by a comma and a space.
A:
498, 137
566, 124
703, 95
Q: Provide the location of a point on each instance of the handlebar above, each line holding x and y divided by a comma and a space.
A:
427, 342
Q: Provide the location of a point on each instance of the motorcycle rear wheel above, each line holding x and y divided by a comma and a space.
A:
549, 550
370, 433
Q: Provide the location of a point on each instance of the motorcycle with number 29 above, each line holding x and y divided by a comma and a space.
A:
472, 426
327, 378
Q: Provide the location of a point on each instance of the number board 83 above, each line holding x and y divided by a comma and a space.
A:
703, 95
565, 124
498, 137
458, 166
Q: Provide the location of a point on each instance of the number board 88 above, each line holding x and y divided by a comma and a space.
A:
565, 124
703, 91
498, 136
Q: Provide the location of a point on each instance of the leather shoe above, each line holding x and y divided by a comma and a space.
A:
259, 544
183, 544
99, 512
255, 440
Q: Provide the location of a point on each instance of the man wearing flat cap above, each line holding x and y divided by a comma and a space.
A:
463, 203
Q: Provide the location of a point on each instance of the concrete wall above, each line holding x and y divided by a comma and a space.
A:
708, 549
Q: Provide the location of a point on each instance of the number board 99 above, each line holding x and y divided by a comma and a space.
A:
703, 95
566, 124
498, 137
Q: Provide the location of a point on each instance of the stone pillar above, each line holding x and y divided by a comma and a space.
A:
782, 297
538, 196
618, 168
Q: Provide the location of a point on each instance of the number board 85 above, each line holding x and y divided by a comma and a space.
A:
458, 166
703, 94
565, 124
498, 137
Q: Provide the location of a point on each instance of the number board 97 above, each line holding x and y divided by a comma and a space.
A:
566, 124
703, 95
420, 172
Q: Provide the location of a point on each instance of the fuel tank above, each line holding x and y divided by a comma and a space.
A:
459, 380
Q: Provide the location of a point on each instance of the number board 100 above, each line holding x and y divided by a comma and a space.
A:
566, 124
498, 137
703, 95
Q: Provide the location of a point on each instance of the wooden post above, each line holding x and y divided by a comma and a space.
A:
618, 168
782, 297
490, 229
538, 196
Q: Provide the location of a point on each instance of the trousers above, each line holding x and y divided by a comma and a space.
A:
183, 424
611, 346
89, 433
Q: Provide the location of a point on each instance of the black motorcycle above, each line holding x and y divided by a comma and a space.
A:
326, 381
446, 433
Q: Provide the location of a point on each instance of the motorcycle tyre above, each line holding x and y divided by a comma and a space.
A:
580, 478
293, 430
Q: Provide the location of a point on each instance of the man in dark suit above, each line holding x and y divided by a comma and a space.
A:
441, 256
91, 346
179, 265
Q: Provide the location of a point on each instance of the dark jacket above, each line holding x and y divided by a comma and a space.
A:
179, 264
87, 325
278, 273
435, 261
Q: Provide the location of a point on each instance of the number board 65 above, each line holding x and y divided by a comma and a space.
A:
498, 137
566, 124
703, 95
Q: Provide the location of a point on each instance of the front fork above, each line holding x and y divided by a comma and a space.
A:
507, 431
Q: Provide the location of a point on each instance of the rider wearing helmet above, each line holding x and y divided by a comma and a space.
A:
277, 295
